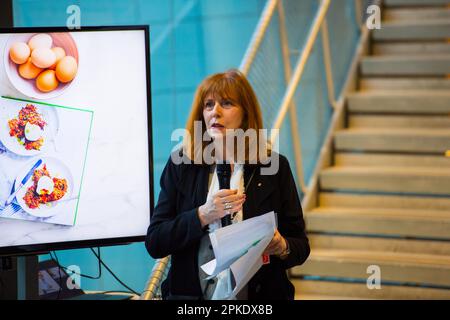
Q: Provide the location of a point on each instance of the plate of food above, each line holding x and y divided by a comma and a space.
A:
50, 186
41, 65
27, 129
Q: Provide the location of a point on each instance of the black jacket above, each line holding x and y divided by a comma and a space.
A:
175, 227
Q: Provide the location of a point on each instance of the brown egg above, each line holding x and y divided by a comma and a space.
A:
19, 52
47, 81
40, 40
66, 69
60, 53
28, 70
43, 57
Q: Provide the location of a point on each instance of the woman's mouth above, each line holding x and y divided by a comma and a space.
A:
217, 126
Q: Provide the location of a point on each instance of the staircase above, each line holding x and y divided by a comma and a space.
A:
386, 199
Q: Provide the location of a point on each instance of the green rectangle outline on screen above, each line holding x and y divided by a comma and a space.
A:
87, 146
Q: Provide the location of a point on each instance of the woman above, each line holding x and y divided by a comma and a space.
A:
191, 205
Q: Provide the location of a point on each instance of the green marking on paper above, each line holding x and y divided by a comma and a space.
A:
84, 165
47, 104
251, 246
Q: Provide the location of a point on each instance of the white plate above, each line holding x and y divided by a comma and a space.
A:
9, 109
57, 169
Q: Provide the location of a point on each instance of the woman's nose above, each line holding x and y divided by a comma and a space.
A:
217, 108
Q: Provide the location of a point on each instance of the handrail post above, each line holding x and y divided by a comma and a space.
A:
296, 141
300, 66
358, 14
327, 62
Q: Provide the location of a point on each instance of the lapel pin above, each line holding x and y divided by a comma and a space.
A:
259, 184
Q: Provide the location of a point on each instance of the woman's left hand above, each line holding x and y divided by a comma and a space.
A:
277, 245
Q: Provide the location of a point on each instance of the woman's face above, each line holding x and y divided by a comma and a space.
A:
220, 115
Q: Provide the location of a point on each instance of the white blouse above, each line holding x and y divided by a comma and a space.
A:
223, 288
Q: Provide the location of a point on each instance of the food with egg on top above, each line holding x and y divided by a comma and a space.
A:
45, 185
33, 199
17, 127
32, 132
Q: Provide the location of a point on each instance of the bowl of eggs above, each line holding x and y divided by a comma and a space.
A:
42, 65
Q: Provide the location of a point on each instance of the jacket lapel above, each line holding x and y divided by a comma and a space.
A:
258, 189
194, 183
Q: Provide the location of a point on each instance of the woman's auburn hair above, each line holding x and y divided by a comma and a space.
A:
231, 85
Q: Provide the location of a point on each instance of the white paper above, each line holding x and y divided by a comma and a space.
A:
239, 247
245, 267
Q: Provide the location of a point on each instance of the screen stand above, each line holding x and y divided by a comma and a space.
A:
20, 280
27, 278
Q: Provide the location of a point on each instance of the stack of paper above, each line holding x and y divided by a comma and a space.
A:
239, 247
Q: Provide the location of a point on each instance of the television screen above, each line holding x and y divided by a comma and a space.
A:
75, 138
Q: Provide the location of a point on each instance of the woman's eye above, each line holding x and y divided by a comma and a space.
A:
227, 103
209, 105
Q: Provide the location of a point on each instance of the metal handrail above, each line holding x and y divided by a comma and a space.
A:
154, 281
292, 109
258, 36
300, 67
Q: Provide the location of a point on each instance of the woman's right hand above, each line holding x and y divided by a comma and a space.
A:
222, 203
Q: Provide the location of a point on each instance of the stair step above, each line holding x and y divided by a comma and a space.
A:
310, 289
398, 160
415, 180
436, 29
406, 49
415, 14
409, 3
394, 121
347, 242
404, 84
380, 221
403, 101
397, 140
419, 65
336, 199
398, 267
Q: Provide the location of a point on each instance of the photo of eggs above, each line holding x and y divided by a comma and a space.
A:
41, 65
